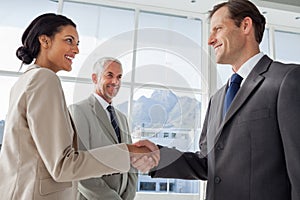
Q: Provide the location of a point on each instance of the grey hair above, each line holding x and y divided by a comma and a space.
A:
100, 64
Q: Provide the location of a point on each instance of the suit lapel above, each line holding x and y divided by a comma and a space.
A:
102, 118
215, 118
219, 109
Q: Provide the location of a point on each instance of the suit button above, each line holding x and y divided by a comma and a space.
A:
217, 179
220, 146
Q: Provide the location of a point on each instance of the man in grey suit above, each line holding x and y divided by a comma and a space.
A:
250, 150
95, 128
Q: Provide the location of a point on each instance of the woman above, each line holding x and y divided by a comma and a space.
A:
39, 157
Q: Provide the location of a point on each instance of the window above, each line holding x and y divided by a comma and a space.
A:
6, 83
14, 20
163, 186
285, 48
167, 92
103, 31
147, 186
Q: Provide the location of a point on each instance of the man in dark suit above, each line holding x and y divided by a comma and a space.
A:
250, 150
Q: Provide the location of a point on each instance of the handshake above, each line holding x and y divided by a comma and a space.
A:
144, 155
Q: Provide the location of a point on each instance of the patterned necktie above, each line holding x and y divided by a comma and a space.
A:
235, 82
114, 121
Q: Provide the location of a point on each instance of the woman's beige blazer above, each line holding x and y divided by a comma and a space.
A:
39, 157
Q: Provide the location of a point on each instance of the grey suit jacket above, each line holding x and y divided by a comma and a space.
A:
39, 158
92, 121
254, 152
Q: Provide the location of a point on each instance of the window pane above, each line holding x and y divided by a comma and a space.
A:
6, 83
103, 31
169, 118
156, 66
286, 46
166, 109
147, 186
265, 43
14, 20
169, 51
190, 28
75, 92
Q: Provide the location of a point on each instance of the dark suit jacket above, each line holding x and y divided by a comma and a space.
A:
254, 153
95, 130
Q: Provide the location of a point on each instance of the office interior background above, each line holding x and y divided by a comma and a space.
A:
169, 70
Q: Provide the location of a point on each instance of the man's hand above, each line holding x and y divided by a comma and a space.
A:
144, 155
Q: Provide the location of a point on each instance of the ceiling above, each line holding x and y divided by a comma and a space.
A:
277, 12
295, 3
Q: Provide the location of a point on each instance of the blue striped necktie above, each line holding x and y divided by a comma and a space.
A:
114, 121
235, 82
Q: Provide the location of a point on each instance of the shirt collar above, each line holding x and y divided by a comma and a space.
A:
102, 102
247, 67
